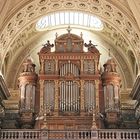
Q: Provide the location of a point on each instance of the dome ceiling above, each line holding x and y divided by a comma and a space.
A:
19, 38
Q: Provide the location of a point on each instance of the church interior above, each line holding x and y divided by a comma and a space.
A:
69, 69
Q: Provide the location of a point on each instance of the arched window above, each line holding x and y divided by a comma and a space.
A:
69, 18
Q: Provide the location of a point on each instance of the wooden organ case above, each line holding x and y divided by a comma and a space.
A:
69, 85
70, 93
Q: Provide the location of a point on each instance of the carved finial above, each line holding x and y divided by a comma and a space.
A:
109, 53
56, 35
94, 125
69, 29
81, 35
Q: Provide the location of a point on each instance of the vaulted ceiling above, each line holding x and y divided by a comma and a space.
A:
19, 38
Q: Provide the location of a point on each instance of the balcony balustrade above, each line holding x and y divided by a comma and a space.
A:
102, 134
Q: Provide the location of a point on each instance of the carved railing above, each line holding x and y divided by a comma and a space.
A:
102, 134
119, 134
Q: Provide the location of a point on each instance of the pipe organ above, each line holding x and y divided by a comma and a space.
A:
71, 90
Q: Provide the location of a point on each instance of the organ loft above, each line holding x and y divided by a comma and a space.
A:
70, 92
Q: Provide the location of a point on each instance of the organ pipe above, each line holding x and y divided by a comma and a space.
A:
69, 94
90, 94
49, 95
68, 68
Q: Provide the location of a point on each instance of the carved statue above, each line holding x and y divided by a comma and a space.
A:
91, 47
47, 47
29, 68
110, 66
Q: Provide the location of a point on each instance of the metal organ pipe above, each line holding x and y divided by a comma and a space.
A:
76, 98
28, 96
69, 86
68, 96
49, 95
22, 103
75, 95
72, 97
63, 100
33, 97
60, 100
69, 90
89, 96
64, 96
60, 105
